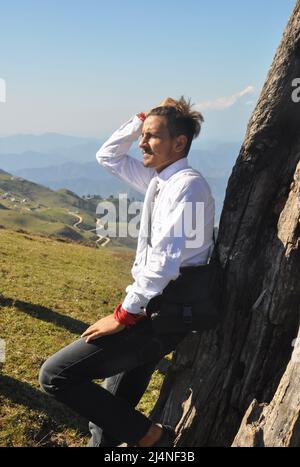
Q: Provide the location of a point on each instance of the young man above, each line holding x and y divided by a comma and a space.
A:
123, 347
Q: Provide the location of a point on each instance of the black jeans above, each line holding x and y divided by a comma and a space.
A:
130, 357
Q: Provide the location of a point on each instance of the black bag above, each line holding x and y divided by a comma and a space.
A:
192, 302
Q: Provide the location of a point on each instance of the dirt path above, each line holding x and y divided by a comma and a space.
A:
78, 217
100, 237
99, 226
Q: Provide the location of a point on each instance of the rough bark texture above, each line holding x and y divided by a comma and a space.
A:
216, 376
276, 424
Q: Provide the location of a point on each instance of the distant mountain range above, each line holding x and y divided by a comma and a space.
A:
45, 143
83, 179
59, 161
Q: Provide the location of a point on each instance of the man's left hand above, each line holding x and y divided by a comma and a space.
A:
103, 327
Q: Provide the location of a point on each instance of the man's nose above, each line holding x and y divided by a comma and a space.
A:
143, 143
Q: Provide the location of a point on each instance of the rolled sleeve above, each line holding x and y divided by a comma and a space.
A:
113, 156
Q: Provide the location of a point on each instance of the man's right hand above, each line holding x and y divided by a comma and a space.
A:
102, 327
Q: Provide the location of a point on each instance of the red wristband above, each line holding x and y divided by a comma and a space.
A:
125, 318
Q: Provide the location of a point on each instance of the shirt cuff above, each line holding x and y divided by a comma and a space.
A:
134, 303
137, 123
132, 127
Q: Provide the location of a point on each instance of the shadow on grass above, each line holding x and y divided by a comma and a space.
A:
22, 393
46, 314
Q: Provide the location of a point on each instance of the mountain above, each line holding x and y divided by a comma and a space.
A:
44, 143
34, 159
29, 160
84, 179
215, 161
90, 178
59, 161
35, 151
20, 188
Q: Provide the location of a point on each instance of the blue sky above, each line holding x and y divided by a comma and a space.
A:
83, 67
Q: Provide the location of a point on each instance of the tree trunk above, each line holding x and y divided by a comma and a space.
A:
215, 376
276, 424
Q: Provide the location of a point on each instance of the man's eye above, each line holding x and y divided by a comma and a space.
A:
149, 135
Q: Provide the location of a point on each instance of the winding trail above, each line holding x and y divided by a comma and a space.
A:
99, 226
79, 217
101, 237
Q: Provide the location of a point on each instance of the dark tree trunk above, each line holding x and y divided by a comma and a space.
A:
215, 377
276, 424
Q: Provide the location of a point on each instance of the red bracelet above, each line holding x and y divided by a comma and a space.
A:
142, 116
125, 318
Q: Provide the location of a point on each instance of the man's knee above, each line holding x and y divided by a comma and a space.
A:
49, 379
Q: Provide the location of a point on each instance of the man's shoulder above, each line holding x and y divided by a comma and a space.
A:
189, 178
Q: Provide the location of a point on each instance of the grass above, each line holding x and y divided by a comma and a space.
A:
50, 292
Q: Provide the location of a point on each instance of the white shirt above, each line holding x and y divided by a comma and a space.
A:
159, 257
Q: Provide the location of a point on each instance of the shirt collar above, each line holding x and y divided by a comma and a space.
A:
166, 173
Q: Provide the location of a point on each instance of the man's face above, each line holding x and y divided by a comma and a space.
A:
159, 149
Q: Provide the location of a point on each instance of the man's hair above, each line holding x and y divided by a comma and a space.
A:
181, 120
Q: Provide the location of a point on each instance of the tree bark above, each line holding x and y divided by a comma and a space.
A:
216, 376
276, 424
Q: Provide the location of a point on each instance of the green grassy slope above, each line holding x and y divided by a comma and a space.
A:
34, 208
35, 193
37, 209
50, 292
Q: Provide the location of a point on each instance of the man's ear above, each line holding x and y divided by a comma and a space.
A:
181, 142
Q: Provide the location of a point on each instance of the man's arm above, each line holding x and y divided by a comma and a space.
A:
113, 156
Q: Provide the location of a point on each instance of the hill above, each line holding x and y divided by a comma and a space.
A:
50, 292
38, 209
32, 207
